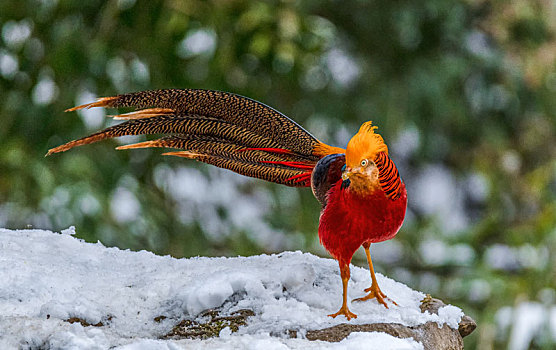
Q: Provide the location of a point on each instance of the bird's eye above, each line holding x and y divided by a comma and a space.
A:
364, 162
344, 168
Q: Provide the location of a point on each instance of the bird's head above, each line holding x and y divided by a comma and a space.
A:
360, 172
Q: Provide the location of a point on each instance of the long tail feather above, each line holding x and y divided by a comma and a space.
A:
242, 111
279, 167
218, 128
101, 102
169, 124
143, 113
280, 175
211, 146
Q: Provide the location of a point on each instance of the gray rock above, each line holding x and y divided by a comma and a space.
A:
429, 334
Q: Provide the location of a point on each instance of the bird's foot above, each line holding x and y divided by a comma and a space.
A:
344, 311
376, 293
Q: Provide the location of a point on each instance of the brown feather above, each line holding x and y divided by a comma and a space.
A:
211, 146
223, 129
239, 110
101, 102
143, 113
168, 124
276, 174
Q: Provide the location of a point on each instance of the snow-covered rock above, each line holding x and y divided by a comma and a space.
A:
134, 299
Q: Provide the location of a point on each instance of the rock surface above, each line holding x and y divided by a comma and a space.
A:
429, 334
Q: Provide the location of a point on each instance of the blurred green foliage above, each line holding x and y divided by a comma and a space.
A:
464, 93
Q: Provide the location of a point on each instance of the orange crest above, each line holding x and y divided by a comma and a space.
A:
366, 144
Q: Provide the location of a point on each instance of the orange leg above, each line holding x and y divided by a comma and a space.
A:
344, 272
374, 290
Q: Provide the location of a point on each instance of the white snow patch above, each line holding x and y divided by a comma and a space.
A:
9, 65
502, 257
528, 319
49, 277
140, 71
478, 187
93, 118
125, 4
451, 313
407, 142
438, 194
344, 69
197, 42
69, 231
15, 33
124, 205
45, 91
355, 341
118, 72
552, 322
436, 252
526, 322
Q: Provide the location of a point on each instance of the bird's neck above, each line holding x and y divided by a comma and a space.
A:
388, 176
384, 179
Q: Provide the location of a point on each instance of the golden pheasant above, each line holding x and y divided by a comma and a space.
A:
362, 194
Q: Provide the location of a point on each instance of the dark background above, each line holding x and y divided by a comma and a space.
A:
464, 93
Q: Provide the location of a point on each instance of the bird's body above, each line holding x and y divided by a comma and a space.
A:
351, 219
362, 195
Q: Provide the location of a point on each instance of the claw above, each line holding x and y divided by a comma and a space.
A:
344, 311
376, 293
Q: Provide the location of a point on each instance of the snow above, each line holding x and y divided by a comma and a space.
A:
437, 193
93, 118
503, 257
355, 341
50, 277
525, 322
197, 42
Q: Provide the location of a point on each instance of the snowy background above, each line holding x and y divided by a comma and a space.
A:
48, 278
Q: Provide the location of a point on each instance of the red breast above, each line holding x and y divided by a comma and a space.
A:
349, 220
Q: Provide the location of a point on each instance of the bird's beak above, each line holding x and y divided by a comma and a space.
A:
346, 181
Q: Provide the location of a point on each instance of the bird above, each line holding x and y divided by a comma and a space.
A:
362, 195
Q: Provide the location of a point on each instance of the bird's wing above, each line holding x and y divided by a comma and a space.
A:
326, 174
218, 128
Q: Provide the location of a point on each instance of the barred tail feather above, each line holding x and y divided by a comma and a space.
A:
211, 146
171, 124
218, 128
282, 168
284, 176
242, 111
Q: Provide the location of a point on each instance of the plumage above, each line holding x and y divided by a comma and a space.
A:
365, 203
349, 220
363, 197
325, 175
218, 128
389, 178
